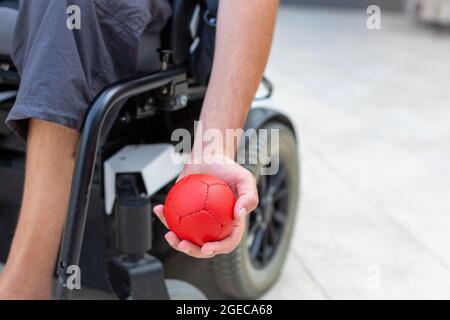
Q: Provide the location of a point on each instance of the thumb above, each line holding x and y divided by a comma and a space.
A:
245, 204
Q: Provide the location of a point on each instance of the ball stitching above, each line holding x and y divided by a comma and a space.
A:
180, 218
206, 203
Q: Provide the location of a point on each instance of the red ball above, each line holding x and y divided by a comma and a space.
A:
199, 208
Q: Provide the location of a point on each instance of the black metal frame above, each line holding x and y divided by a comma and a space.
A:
109, 101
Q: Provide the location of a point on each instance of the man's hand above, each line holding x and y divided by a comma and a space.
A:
244, 36
244, 186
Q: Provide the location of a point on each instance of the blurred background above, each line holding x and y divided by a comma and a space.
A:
372, 111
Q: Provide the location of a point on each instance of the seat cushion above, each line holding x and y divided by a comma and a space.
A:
148, 59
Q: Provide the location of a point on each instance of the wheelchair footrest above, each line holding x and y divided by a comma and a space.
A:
140, 278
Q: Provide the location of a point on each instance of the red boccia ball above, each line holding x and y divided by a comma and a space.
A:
199, 208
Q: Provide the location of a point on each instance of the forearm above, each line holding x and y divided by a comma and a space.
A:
244, 37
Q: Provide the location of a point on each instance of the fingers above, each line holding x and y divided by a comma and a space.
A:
159, 212
192, 250
172, 239
185, 246
180, 245
209, 249
247, 195
228, 244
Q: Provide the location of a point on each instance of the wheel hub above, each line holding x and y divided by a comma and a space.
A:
269, 207
267, 221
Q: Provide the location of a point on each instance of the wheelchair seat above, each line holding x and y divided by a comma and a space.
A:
148, 57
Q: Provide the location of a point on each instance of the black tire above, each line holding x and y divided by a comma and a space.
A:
238, 275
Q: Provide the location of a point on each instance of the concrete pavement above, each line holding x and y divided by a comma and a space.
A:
372, 111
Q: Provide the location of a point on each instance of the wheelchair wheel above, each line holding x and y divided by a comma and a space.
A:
180, 290
256, 264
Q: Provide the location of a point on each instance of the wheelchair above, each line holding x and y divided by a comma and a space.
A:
123, 168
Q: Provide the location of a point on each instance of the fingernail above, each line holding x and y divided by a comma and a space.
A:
209, 253
242, 212
171, 243
186, 251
